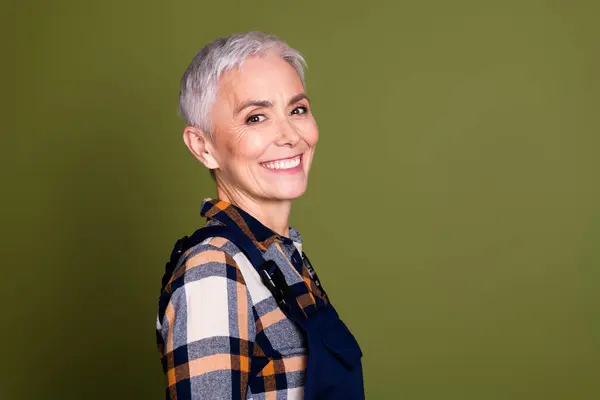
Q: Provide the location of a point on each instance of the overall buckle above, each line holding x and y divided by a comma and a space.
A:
274, 281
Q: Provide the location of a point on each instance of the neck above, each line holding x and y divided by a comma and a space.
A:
272, 214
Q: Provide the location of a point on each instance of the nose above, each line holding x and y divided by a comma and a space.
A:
287, 134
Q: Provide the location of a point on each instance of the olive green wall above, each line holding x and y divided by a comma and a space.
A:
452, 211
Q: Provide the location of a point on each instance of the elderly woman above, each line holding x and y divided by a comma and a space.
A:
242, 314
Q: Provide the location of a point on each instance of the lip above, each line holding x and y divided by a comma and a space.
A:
294, 170
283, 159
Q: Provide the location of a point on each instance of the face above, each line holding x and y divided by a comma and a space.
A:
264, 133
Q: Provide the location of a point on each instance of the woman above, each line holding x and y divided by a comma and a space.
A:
242, 314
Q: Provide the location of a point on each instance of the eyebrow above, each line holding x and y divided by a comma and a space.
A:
267, 104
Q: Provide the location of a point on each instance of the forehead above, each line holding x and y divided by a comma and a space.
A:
261, 78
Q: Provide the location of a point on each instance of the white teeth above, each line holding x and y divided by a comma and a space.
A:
285, 164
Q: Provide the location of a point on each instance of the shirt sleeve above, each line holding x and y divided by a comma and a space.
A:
208, 329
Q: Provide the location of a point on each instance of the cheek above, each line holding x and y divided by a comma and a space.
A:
312, 134
247, 147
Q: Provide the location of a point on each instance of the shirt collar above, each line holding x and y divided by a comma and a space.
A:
227, 213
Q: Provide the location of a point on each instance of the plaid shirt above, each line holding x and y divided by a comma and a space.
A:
220, 320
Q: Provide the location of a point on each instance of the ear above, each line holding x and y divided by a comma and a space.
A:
200, 146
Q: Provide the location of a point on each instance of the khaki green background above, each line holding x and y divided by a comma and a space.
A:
452, 211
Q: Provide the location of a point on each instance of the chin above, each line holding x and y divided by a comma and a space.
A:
289, 193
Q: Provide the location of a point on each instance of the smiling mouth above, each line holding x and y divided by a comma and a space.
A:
284, 164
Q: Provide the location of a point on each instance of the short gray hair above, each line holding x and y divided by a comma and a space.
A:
200, 81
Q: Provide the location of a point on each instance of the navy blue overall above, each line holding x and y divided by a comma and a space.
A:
334, 369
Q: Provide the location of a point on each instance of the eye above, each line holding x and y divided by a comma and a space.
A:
253, 119
299, 110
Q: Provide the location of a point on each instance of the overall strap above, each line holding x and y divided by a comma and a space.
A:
270, 274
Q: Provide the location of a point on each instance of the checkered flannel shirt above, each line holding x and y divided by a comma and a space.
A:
220, 320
